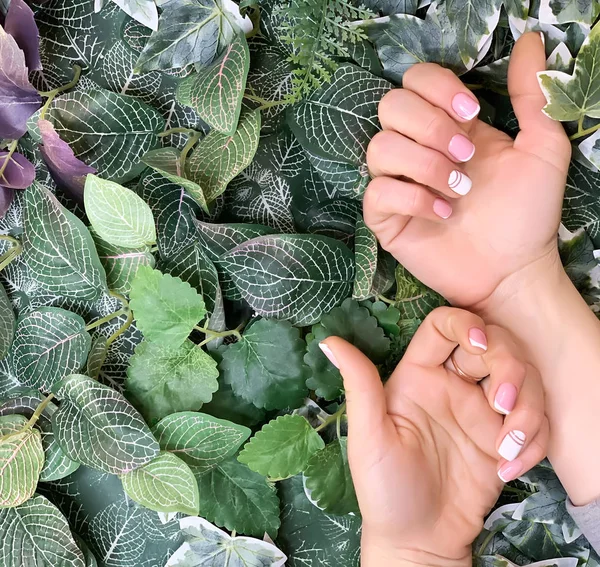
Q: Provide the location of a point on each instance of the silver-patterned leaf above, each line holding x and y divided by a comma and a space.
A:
365, 255
144, 11
7, 323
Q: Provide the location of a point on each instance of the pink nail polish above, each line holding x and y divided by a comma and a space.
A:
461, 148
465, 106
442, 208
477, 338
327, 352
506, 398
510, 471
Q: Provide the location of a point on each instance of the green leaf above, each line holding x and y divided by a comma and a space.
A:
166, 308
49, 344
97, 356
59, 249
413, 299
21, 460
203, 541
109, 132
167, 162
121, 264
294, 277
219, 157
581, 208
329, 481
117, 214
570, 97
200, 440
191, 31
365, 257
564, 11
144, 11
98, 427
215, 92
353, 323
7, 323
387, 316
266, 366
577, 257
165, 484
34, 532
236, 498
282, 448
162, 381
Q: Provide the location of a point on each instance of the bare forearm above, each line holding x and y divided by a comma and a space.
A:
562, 337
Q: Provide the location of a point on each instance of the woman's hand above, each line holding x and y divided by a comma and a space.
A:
463, 246
426, 451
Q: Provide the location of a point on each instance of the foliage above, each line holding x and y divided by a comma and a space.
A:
181, 224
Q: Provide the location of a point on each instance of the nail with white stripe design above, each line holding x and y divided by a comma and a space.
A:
512, 444
459, 182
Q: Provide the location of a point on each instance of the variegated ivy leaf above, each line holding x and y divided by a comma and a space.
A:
338, 121
117, 214
59, 249
7, 323
201, 440
165, 484
388, 7
293, 277
571, 97
215, 92
144, 11
109, 132
590, 148
365, 257
192, 31
49, 344
21, 460
35, 531
219, 158
98, 427
564, 11
203, 540
167, 162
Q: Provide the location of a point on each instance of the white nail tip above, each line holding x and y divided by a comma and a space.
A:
470, 156
500, 409
473, 114
459, 182
478, 345
512, 445
502, 479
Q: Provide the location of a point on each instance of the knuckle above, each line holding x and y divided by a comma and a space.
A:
379, 148
431, 167
436, 126
374, 195
390, 103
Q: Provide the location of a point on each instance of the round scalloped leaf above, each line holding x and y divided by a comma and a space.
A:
97, 427
165, 484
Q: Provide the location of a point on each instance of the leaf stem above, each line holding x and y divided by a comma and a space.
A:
52, 94
212, 335
524, 493
332, 418
581, 132
122, 311
192, 141
11, 150
485, 543
264, 104
38, 412
172, 131
127, 322
385, 300
13, 252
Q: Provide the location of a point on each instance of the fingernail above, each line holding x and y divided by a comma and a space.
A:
510, 471
506, 398
511, 445
327, 352
477, 338
459, 182
543, 38
461, 148
442, 208
465, 106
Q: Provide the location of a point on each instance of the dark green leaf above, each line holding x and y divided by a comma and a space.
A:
7, 323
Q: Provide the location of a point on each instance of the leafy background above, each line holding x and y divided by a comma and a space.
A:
173, 308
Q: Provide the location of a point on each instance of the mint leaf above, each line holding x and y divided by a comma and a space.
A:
282, 448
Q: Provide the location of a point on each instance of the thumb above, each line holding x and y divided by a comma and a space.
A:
539, 135
365, 396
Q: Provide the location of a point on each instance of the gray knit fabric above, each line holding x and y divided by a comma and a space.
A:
588, 520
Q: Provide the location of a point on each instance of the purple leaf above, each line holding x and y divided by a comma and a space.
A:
19, 172
18, 99
20, 23
6, 198
68, 172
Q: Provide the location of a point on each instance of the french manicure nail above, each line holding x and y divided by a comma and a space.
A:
327, 352
442, 208
465, 106
543, 38
512, 444
459, 182
510, 471
506, 398
477, 338
461, 148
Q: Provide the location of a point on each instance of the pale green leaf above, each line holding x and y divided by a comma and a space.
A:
117, 214
202, 441
365, 257
7, 323
413, 299
215, 92
165, 484
97, 357
21, 460
166, 308
49, 344
96, 426
282, 448
162, 381
564, 11
144, 11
